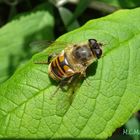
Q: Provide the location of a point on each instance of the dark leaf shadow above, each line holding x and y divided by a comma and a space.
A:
126, 3
91, 70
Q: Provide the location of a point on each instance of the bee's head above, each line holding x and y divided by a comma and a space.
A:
96, 48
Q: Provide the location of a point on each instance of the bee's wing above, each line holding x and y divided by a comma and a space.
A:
65, 99
42, 43
39, 45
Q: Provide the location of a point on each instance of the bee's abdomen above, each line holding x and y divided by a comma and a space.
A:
60, 68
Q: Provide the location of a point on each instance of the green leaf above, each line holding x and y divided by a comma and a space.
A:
16, 36
102, 102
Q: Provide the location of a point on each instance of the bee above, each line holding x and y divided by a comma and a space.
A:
73, 60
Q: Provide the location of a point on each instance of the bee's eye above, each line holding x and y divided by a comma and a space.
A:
92, 42
98, 53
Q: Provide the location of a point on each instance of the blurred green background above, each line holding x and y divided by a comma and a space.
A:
67, 16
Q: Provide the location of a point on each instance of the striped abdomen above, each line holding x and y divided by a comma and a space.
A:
59, 68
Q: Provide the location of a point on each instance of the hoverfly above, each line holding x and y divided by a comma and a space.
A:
73, 60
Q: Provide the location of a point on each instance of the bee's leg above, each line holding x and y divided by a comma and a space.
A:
50, 57
62, 83
83, 74
56, 90
66, 81
70, 80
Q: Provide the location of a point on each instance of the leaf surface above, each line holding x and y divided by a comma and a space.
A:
16, 36
102, 102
